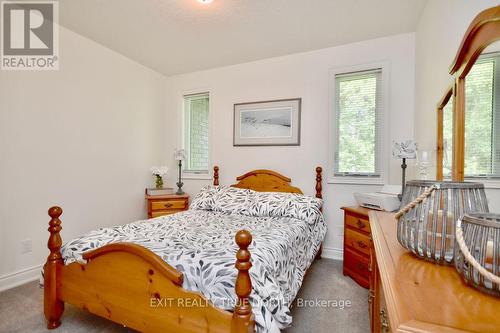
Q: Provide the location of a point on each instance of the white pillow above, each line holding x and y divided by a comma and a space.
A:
205, 199
233, 200
286, 204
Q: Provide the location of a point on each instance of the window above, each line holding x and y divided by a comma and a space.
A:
196, 130
357, 127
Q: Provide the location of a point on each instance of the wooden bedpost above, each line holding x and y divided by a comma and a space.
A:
53, 307
216, 175
319, 187
243, 319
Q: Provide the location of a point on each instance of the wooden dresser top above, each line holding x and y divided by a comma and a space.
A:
167, 196
357, 210
425, 297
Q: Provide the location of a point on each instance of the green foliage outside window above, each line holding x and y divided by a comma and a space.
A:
479, 119
357, 124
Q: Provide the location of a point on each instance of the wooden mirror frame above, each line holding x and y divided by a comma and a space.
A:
440, 126
483, 31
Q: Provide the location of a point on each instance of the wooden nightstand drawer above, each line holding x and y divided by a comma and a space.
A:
358, 241
357, 244
159, 205
357, 267
168, 204
357, 222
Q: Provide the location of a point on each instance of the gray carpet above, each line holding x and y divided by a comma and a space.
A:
21, 308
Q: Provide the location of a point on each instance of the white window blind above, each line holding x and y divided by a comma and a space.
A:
482, 119
447, 138
358, 124
196, 130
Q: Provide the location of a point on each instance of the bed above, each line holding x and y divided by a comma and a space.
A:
176, 273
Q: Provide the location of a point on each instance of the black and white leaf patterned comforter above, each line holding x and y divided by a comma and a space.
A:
200, 244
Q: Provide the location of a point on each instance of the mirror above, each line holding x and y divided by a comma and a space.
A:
482, 116
444, 135
476, 103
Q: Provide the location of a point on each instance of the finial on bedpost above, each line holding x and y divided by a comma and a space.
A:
243, 320
216, 175
318, 183
53, 307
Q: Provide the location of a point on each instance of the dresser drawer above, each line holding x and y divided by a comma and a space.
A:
168, 204
357, 244
382, 322
358, 241
356, 266
357, 223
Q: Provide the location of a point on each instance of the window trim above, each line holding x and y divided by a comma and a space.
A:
488, 182
384, 126
492, 183
189, 174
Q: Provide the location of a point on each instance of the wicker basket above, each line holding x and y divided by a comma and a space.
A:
426, 221
478, 257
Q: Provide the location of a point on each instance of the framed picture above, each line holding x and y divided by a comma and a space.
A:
267, 123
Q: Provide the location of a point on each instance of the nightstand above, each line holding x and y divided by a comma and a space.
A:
357, 244
159, 205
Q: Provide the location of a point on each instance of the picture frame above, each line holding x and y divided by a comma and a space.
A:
267, 123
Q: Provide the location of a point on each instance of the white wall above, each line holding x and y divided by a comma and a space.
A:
439, 33
83, 137
304, 75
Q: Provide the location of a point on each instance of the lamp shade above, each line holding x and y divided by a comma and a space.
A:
404, 149
180, 155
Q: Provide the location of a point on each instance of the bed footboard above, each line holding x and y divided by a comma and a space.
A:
132, 286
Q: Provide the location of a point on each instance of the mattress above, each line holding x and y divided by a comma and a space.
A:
200, 244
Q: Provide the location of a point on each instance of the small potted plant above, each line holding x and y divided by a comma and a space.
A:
159, 173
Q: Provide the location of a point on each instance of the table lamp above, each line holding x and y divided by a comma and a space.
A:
180, 155
404, 150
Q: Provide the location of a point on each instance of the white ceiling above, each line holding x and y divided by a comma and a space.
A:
180, 36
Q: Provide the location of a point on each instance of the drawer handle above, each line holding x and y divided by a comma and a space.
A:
360, 224
371, 296
362, 245
168, 205
384, 323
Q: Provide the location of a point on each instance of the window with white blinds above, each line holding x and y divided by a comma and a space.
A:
196, 130
482, 118
357, 127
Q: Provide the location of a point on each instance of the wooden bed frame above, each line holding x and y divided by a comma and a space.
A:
132, 286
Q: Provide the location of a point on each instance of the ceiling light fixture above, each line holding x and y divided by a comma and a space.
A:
205, 2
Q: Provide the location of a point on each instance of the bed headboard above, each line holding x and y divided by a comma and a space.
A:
269, 181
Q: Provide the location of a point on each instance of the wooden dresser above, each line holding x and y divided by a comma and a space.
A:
357, 244
159, 205
408, 294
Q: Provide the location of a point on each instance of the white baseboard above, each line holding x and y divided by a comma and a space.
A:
332, 253
18, 278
